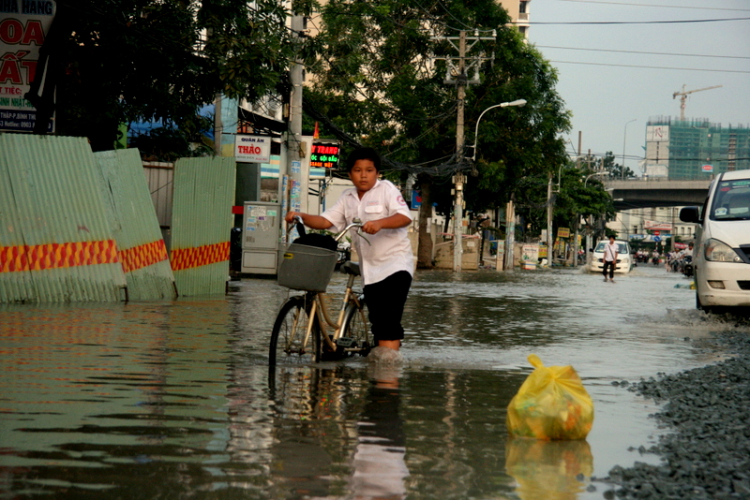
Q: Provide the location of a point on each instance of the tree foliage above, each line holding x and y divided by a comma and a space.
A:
129, 60
380, 73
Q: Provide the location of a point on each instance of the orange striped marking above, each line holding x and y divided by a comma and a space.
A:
57, 255
143, 256
187, 258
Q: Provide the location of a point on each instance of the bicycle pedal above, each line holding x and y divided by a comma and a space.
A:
345, 342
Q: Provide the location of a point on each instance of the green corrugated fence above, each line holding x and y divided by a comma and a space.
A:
135, 227
56, 244
201, 224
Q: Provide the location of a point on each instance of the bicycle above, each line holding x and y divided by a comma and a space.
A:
301, 332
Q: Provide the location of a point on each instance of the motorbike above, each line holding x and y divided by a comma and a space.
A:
685, 266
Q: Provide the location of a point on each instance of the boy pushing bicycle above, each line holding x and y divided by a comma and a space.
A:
387, 263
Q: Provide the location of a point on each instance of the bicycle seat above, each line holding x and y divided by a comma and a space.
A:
350, 267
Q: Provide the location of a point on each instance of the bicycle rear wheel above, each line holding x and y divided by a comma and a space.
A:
355, 327
287, 339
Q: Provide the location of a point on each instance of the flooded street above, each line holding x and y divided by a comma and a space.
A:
172, 400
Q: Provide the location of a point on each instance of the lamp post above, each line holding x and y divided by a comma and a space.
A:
590, 176
624, 137
509, 211
517, 102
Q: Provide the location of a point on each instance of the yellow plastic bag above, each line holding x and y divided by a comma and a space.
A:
551, 404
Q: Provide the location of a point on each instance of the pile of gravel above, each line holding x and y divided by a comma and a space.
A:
707, 453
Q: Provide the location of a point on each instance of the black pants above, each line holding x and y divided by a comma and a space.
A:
385, 302
611, 266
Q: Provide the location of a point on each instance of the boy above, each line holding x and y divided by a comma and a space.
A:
387, 264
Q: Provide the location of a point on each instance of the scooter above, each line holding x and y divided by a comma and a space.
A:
685, 266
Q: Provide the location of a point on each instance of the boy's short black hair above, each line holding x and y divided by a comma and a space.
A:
363, 154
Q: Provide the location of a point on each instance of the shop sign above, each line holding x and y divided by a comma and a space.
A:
324, 155
24, 25
252, 148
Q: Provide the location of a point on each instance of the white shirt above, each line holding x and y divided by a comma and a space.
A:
610, 251
389, 250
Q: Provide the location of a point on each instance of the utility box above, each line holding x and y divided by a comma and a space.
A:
261, 225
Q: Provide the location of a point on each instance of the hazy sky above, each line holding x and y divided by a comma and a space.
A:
631, 71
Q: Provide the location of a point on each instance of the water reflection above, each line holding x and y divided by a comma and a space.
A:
171, 399
337, 434
379, 464
313, 431
549, 470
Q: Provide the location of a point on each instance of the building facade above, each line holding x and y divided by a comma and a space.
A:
519, 14
694, 148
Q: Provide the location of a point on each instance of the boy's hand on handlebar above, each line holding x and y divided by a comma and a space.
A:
372, 227
289, 218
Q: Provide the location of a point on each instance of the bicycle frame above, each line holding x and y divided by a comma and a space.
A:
318, 311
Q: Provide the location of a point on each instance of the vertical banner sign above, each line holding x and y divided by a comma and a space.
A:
295, 189
23, 27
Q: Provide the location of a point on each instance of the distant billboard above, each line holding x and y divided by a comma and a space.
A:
657, 133
652, 225
24, 25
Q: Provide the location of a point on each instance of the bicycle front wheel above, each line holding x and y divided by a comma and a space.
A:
288, 345
355, 327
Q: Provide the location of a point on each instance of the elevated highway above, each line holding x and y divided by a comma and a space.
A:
657, 193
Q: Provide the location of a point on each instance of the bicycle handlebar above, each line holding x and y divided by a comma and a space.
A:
300, 225
355, 223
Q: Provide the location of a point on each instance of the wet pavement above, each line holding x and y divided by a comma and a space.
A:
172, 400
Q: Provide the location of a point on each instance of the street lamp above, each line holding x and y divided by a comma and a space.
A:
517, 102
624, 136
509, 211
590, 176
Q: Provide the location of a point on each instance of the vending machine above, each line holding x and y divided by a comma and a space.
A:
261, 226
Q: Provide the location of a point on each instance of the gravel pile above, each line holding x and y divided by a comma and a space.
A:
707, 453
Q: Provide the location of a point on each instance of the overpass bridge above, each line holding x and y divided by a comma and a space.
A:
639, 193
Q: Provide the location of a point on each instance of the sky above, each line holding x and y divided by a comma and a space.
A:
610, 74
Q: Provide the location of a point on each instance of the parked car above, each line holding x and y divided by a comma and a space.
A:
721, 258
625, 261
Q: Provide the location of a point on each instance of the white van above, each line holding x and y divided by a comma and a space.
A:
721, 256
624, 262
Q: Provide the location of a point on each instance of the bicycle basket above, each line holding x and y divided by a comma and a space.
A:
306, 267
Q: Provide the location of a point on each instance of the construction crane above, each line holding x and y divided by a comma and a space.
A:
683, 97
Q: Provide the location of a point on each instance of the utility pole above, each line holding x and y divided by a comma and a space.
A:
577, 215
457, 73
295, 151
550, 240
458, 179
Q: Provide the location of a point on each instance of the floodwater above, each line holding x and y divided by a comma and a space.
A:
171, 400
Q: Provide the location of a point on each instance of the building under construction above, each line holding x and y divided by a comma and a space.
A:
694, 148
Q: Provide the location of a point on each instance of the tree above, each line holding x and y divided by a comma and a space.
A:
126, 60
617, 171
379, 79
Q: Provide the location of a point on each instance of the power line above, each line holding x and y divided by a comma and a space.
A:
682, 21
652, 67
656, 5
642, 52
